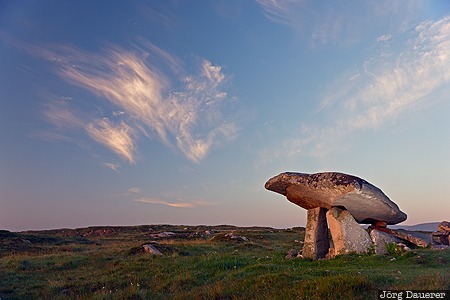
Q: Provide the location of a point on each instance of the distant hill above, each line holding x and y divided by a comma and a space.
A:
432, 226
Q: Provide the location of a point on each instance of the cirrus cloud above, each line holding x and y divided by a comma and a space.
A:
144, 103
326, 24
179, 203
384, 89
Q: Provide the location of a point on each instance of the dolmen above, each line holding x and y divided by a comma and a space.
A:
342, 202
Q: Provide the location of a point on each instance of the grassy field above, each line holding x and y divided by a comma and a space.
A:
199, 262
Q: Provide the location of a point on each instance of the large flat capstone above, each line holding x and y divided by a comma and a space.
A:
366, 202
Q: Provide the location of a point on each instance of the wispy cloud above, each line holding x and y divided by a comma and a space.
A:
188, 118
383, 90
117, 137
112, 166
384, 38
134, 190
324, 23
180, 203
59, 113
388, 87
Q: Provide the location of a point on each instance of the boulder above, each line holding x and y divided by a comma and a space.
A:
149, 248
414, 237
316, 234
366, 202
444, 226
348, 236
443, 233
380, 239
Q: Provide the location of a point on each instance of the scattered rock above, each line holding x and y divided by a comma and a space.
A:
440, 247
291, 254
236, 237
442, 234
348, 236
164, 234
413, 237
366, 202
403, 247
294, 254
99, 232
442, 239
229, 236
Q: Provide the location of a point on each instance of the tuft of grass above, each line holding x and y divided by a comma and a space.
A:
393, 249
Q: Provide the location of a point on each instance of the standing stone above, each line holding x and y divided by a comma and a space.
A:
316, 234
348, 236
381, 239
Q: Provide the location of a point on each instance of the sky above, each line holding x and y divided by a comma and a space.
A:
178, 112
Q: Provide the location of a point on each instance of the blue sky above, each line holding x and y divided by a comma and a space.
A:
177, 112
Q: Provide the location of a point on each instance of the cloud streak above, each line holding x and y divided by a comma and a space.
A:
188, 118
117, 137
325, 24
388, 87
177, 204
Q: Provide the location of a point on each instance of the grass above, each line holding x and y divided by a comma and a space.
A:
107, 263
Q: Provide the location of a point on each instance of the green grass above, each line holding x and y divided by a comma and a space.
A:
89, 263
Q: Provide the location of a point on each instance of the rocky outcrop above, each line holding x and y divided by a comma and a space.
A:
442, 235
316, 243
421, 240
348, 236
366, 202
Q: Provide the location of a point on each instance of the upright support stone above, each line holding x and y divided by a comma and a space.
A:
316, 235
348, 236
381, 239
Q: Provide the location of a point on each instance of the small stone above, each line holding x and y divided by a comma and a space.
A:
291, 254
380, 224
